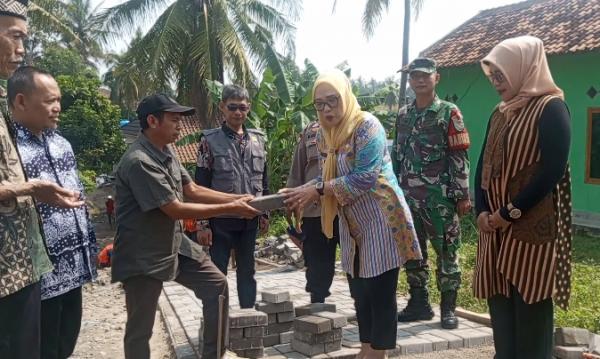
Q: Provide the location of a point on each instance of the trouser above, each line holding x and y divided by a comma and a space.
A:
319, 258
141, 297
376, 308
521, 330
20, 323
441, 228
61, 321
239, 234
111, 218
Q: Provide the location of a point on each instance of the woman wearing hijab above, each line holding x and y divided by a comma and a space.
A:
358, 185
522, 193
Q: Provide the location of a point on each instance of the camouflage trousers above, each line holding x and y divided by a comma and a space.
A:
439, 228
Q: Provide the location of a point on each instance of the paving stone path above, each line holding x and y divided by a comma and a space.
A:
182, 312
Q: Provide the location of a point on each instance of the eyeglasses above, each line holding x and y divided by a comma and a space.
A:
330, 101
496, 76
234, 107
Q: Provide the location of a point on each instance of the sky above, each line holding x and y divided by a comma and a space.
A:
328, 39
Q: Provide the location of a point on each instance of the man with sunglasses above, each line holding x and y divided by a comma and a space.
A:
232, 159
433, 171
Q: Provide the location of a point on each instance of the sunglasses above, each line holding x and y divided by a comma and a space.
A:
234, 107
330, 101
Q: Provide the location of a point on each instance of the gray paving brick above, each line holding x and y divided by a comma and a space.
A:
246, 343
272, 318
437, 343
271, 340
344, 353
333, 346
285, 317
243, 318
312, 324
255, 332
337, 320
314, 308
454, 341
269, 352
275, 296
307, 349
284, 348
313, 338
402, 334
236, 333
278, 328
286, 337
254, 353
296, 355
274, 307
472, 337
414, 345
562, 352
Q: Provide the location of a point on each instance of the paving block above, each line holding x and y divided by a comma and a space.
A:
270, 308
275, 296
571, 337
414, 345
418, 329
246, 343
312, 324
272, 318
314, 308
295, 355
255, 332
472, 337
285, 317
271, 340
333, 346
312, 338
254, 353
307, 349
337, 320
345, 353
236, 333
454, 341
284, 348
286, 337
402, 334
278, 328
270, 352
563, 352
436, 342
243, 318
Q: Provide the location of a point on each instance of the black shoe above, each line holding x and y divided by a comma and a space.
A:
418, 307
448, 305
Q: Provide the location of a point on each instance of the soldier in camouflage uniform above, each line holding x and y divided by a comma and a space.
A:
433, 170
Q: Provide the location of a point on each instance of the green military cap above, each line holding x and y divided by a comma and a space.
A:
422, 64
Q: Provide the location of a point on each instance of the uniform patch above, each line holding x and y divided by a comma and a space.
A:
458, 137
457, 120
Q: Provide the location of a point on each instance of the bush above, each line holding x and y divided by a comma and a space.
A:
88, 179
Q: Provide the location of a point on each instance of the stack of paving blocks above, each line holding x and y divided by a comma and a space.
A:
247, 330
318, 333
280, 313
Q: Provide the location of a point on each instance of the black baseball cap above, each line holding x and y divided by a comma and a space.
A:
160, 102
422, 64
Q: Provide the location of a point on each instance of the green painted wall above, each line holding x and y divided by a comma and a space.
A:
575, 74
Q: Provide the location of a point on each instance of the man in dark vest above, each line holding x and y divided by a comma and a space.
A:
232, 159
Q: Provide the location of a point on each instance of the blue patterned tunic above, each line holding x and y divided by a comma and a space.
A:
69, 234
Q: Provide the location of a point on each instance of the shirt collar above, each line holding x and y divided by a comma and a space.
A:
163, 156
435, 106
229, 132
24, 133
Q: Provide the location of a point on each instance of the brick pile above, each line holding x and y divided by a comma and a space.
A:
247, 330
318, 333
280, 316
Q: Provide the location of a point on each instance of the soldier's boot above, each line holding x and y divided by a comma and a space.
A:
418, 307
448, 305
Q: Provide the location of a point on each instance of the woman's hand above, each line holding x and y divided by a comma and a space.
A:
299, 197
497, 222
483, 222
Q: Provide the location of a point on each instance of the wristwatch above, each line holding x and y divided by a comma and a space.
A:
513, 212
320, 186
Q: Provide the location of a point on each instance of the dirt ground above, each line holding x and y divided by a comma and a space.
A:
104, 315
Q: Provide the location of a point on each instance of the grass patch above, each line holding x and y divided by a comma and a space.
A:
584, 311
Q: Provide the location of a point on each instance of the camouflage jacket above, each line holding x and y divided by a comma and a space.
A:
430, 154
23, 257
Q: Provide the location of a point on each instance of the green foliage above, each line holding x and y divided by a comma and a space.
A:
88, 179
60, 61
90, 122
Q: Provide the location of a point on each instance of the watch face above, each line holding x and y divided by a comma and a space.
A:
515, 213
319, 185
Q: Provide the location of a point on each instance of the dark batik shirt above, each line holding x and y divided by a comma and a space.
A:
70, 237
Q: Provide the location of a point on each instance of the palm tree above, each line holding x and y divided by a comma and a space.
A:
371, 17
81, 17
197, 40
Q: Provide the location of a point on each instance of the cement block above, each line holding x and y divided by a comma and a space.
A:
286, 337
271, 340
246, 343
312, 338
307, 349
272, 318
236, 333
312, 324
345, 353
436, 342
270, 308
278, 328
563, 352
254, 353
414, 345
285, 317
454, 341
275, 296
333, 346
314, 308
255, 332
337, 320
284, 348
243, 318
571, 337
472, 337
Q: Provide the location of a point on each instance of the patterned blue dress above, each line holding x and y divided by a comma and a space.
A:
69, 235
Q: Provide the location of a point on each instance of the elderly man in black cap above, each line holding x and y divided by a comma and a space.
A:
150, 245
432, 165
23, 257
